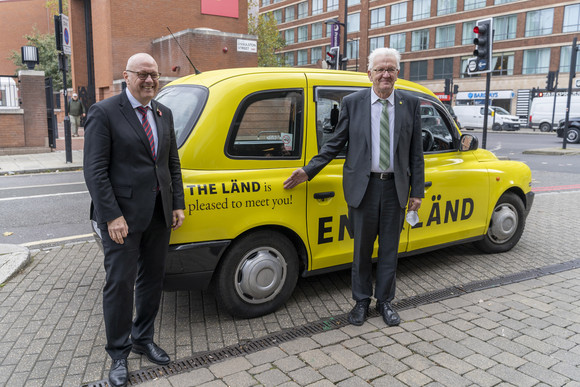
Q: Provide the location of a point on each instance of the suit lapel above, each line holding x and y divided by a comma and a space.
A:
399, 116
366, 112
131, 117
159, 123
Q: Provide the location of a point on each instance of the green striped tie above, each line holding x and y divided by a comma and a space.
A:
385, 146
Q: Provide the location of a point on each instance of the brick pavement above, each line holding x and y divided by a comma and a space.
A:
52, 334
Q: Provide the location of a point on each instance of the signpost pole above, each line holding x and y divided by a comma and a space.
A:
485, 110
62, 56
572, 75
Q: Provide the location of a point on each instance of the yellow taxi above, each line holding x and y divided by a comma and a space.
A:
241, 133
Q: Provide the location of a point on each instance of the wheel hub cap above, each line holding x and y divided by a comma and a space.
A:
504, 223
261, 275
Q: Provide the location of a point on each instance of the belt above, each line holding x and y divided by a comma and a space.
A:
383, 175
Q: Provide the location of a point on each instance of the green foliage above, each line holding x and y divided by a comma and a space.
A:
264, 26
48, 56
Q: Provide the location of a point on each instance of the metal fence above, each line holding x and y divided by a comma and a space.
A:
8, 92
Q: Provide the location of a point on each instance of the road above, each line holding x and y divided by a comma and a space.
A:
52, 208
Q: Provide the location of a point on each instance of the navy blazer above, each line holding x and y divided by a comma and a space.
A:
354, 126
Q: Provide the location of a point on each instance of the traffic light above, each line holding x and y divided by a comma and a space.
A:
57, 33
448, 83
455, 89
333, 58
550, 84
483, 45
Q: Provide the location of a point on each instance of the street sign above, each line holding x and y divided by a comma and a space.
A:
578, 82
65, 34
335, 36
472, 64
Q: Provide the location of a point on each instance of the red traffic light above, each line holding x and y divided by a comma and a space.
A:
330, 55
476, 29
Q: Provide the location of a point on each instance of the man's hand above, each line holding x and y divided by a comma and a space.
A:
118, 229
414, 204
178, 218
297, 177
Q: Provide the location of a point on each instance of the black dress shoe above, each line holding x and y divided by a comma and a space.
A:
153, 352
390, 315
359, 313
118, 373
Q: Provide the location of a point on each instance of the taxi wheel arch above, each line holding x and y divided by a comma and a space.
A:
506, 225
257, 274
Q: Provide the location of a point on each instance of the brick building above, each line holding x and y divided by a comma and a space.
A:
435, 38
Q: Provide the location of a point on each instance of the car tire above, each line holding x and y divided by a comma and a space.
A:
545, 127
506, 225
496, 127
257, 275
573, 135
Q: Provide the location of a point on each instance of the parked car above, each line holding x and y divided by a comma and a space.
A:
471, 117
542, 109
241, 133
573, 136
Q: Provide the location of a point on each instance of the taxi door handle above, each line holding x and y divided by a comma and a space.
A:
428, 184
324, 195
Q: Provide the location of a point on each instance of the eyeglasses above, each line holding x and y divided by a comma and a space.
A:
390, 70
144, 76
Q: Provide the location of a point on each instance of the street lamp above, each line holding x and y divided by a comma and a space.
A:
29, 56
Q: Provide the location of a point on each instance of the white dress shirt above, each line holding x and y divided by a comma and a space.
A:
376, 111
150, 116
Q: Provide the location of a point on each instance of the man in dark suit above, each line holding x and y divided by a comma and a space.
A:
383, 171
133, 174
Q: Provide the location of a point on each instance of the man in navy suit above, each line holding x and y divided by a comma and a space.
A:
133, 174
383, 173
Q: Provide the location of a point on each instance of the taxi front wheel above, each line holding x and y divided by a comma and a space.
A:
506, 225
257, 275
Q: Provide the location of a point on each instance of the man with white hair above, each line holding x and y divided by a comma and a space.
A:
76, 110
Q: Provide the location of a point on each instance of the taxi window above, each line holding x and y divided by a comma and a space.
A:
268, 125
186, 104
436, 126
328, 101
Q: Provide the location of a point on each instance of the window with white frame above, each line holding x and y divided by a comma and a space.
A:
418, 71
331, 5
571, 18
289, 14
353, 2
265, 3
329, 30
503, 63
302, 57
539, 22
317, 7
421, 9
352, 49
420, 40
316, 31
445, 7
473, 4
397, 41
289, 36
289, 59
504, 27
376, 42
399, 13
302, 34
497, 2
468, 34
445, 36
443, 68
353, 22
277, 16
378, 17
315, 54
565, 56
536, 61
303, 10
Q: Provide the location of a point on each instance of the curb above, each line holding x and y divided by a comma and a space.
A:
12, 259
552, 152
41, 170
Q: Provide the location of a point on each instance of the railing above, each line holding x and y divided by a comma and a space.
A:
8, 92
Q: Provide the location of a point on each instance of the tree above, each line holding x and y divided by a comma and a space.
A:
47, 55
264, 26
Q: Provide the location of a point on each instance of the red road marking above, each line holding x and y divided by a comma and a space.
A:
556, 188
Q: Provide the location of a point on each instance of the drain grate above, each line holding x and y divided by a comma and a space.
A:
204, 359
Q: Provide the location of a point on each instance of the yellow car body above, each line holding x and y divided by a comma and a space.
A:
241, 133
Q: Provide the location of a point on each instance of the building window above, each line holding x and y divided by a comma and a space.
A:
329, 30
331, 5
289, 14
353, 2
468, 35
265, 3
289, 59
353, 22
316, 7
401, 71
503, 63
445, 7
399, 13
445, 36
315, 54
418, 71
378, 17
565, 59
473, 4
420, 40
277, 16
421, 9
443, 68
397, 41
539, 22
302, 57
302, 34
352, 49
378, 42
505, 27
497, 2
316, 31
303, 10
571, 18
536, 61
289, 36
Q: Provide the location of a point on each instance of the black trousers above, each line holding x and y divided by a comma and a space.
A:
134, 275
379, 214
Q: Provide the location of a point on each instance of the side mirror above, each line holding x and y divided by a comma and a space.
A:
468, 142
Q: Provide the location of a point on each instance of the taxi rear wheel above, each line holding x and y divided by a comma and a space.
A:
506, 225
257, 275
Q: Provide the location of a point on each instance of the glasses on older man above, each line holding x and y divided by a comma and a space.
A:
143, 76
390, 70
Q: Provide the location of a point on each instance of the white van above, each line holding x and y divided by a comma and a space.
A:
471, 117
542, 107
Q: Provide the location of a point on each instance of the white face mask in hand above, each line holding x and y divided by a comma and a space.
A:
412, 218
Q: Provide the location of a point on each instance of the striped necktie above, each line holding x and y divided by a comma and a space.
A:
148, 131
385, 136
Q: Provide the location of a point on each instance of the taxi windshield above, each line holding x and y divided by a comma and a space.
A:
186, 104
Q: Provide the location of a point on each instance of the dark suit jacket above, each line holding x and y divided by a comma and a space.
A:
120, 172
354, 126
